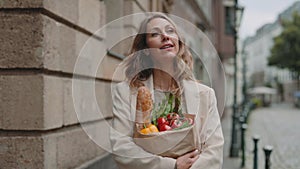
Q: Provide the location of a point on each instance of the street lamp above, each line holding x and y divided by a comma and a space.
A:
244, 57
237, 17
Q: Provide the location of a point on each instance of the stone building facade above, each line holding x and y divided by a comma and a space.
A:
40, 43
257, 50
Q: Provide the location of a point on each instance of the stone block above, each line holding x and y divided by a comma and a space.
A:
30, 102
21, 37
69, 114
45, 102
84, 13
91, 102
48, 44
21, 152
140, 6
88, 14
52, 102
74, 147
91, 14
115, 8
21, 102
21, 4
59, 44
64, 148
108, 69
104, 98
64, 47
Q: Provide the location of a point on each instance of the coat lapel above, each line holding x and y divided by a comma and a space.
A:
192, 96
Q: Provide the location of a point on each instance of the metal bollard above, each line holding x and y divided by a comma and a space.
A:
268, 150
243, 144
255, 159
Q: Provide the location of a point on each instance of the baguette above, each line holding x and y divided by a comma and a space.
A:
144, 105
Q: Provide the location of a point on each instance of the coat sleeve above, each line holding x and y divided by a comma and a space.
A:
125, 152
211, 156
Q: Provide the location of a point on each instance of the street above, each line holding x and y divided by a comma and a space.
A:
277, 126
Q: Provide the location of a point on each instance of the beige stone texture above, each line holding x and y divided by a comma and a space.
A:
30, 102
21, 4
104, 98
47, 44
107, 69
114, 9
45, 102
84, 101
21, 152
84, 13
74, 147
88, 100
65, 148
21, 102
63, 47
52, 102
88, 14
20, 38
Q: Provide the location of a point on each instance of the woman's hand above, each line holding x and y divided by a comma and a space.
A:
187, 160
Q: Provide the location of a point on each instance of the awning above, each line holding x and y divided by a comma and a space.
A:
262, 90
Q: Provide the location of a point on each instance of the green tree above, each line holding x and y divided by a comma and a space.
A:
285, 52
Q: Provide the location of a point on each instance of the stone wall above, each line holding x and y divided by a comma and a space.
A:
40, 42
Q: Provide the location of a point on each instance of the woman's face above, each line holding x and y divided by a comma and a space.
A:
162, 40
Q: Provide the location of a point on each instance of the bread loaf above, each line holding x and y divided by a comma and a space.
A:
144, 104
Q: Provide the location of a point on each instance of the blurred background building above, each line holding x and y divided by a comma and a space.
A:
257, 49
40, 42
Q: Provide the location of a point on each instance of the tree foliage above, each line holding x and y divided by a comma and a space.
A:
285, 52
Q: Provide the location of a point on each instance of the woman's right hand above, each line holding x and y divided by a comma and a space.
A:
187, 160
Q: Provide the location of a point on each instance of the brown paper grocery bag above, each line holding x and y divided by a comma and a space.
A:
172, 143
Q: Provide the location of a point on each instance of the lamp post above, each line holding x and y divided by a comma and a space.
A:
245, 97
237, 15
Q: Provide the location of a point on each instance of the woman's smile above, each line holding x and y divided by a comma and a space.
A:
168, 46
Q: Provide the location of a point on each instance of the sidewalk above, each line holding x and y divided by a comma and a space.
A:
277, 126
228, 162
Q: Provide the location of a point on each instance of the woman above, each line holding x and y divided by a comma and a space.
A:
159, 60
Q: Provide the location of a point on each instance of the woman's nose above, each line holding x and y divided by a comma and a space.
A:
165, 36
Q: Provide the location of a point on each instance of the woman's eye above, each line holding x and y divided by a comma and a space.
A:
154, 34
170, 30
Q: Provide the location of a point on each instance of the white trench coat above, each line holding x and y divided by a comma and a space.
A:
200, 100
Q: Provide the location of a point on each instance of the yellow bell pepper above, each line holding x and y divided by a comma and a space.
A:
150, 129
153, 128
145, 131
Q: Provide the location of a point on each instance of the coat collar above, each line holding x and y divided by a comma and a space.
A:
190, 94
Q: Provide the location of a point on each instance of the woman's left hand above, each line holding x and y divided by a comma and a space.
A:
187, 160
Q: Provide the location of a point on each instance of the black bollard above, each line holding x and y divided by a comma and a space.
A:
243, 144
268, 150
255, 159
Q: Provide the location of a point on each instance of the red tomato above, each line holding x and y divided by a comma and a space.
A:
164, 127
172, 116
161, 121
176, 123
